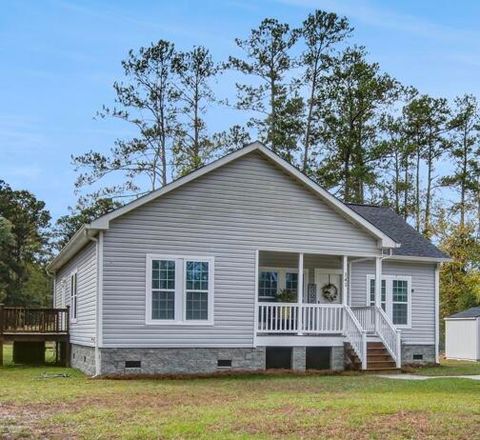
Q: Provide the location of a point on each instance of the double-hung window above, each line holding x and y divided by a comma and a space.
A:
73, 297
179, 290
396, 298
272, 280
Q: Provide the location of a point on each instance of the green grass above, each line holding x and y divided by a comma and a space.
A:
451, 368
258, 406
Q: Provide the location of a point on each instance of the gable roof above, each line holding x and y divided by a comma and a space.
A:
473, 312
413, 243
82, 237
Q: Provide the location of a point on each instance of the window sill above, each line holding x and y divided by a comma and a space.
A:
73, 321
179, 323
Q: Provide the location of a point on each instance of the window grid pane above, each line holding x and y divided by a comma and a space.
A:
163, 289
196, 287
197, 275
268, 283
163, 305
291, 281
197, 306
400, 291
399, 314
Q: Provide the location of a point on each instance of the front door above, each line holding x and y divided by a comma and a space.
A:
328, 285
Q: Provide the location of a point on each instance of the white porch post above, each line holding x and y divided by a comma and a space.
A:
378, 286
300, 293
378, 281
345, 292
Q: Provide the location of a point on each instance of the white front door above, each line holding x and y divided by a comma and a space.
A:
324, 278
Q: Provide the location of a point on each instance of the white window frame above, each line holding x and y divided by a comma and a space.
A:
73, 305
389, 296
180, 290
282, 278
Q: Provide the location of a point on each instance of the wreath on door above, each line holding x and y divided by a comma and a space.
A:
330, 291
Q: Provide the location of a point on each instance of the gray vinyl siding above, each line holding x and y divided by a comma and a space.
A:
246, 205
423, 296
83, 331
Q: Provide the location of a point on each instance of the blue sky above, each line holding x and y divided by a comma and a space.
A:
60, 58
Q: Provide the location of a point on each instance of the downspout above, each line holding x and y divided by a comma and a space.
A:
99, 260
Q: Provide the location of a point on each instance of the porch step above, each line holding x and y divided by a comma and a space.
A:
378, 358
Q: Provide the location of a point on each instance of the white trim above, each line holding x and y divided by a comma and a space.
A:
388, 297
73, 310
326, 252
300, 341
378, 283
437, 314
180, 291
460, 319
255, 310
345, 280
419, 259
300, 279
384, 239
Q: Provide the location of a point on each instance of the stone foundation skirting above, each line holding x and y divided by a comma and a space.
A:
186, 360
180, 360
411, 354
83, 358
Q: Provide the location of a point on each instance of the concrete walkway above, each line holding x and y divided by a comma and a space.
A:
419, 377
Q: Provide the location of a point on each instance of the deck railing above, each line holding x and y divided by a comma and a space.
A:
33, 320
300, 318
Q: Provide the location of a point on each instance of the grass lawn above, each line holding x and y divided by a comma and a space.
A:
260, 406
448, 367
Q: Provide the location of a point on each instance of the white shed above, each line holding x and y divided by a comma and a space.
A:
462, 335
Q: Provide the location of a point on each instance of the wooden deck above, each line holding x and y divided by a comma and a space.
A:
34, 325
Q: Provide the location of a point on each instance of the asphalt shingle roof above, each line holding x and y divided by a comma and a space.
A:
473, 312
388, 221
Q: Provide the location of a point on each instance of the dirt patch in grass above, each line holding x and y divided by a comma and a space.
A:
28, 422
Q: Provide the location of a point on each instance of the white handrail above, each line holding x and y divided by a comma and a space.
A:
390, 335
356, 336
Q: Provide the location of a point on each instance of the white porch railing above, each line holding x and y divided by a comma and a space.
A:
322, 318
366, 317
356, 336
285, 318
390, 335
278, 318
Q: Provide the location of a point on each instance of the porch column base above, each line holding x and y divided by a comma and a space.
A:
299, 356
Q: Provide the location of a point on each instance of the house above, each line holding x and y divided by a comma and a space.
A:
246, 264
462, 335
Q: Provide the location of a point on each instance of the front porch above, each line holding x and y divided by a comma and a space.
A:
316, 309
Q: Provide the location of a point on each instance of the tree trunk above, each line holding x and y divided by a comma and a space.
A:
417, 192
309, 117
464, 178
428, 198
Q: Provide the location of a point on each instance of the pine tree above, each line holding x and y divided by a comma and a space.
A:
321, 34
271, 94
146, 100
194, 71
